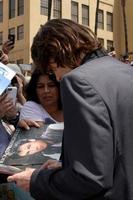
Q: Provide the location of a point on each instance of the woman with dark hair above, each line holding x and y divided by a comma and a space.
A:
43, 101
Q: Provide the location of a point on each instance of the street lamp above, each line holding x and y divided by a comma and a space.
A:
49, 9
123, 3
96, 16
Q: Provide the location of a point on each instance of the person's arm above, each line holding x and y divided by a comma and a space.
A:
7, 46
30, 116
20, 92
87, 157
4, 58
6, 106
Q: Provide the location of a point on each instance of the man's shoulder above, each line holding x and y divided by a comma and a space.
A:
94, 67
100, 72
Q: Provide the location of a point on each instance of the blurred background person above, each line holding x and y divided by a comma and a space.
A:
7, 110
3, 57
20, 82
7, 46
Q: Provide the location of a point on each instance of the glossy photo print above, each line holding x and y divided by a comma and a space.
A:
35, 146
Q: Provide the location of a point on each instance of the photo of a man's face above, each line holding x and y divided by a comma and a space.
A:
31, 147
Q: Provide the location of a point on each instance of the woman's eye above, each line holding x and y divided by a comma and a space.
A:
40, 86
51, 85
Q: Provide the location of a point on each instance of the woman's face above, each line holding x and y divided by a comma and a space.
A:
47, 91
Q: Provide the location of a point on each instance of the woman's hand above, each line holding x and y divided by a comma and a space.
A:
27, 123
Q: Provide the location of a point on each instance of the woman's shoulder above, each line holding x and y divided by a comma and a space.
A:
31, 110
31, 103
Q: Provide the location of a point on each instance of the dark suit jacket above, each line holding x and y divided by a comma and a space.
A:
98, 136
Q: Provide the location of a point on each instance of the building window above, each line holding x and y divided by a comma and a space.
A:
20, 32
1, 38
109, 21
11, 61
100, 21
12, 31
85, 15
74, 11
20, 61
44, 7
11, 9
57, 9
1, 11
20, 7
109, 45
101, 40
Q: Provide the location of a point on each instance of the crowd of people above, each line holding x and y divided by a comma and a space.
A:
76, 81
9, 112
37, 102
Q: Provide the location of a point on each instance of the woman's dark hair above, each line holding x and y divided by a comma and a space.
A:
31, 94
62, 41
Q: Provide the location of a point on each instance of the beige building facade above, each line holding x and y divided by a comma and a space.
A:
24, 17
123, 41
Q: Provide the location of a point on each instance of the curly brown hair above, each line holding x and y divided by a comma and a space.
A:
62, 41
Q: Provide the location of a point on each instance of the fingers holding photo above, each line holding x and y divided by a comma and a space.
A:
22, 179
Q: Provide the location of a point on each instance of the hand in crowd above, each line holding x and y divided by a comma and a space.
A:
27, 123
7, 46
4, 58
6, 107
20, 86
51, 164
22, 179
11, 113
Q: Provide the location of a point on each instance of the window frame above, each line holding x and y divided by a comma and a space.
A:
101, 40
20, 34
110, 44
57, 9
20, 61
85, 19
11, 31
12, 9
1, 11
1, 37
100, 19
75, 14
20, 9
109, 21
44, 7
